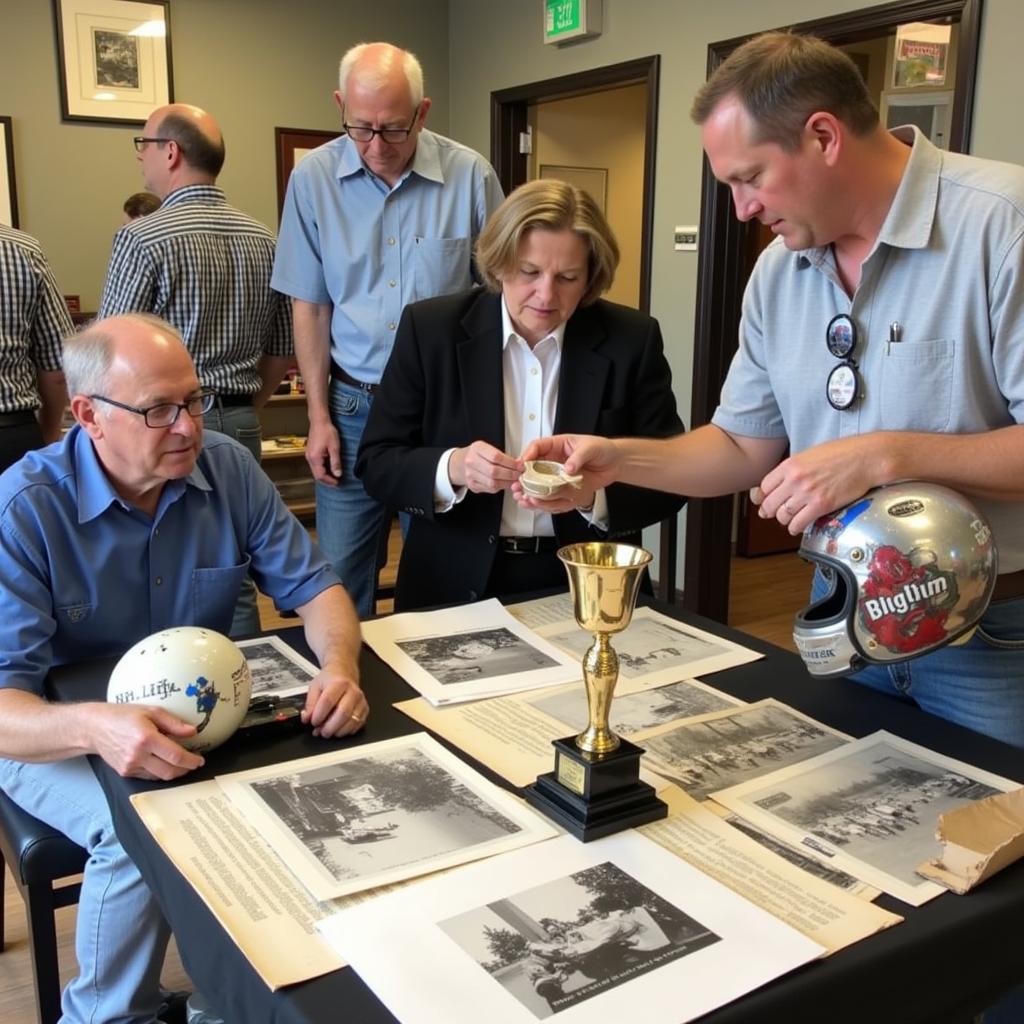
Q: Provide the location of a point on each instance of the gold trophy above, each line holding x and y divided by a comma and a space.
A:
595, 788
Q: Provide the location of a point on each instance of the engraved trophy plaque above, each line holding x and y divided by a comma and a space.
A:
595, 789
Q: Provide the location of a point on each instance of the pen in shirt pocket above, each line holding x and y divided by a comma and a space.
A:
895, 335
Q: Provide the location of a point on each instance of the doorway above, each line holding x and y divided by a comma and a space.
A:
725, 263
513, 109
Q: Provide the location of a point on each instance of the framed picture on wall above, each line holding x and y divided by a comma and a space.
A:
114, 59
291, 145
591, 179
8, 193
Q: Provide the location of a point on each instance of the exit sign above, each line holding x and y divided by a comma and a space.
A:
568, 20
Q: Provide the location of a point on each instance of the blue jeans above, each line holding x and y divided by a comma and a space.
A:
348, 521
121, 935
979, 684
243, 424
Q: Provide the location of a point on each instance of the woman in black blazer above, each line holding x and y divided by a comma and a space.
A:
474, 377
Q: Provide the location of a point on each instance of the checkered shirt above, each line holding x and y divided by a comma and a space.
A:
205, 267
33, 320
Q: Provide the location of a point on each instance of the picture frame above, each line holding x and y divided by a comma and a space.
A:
291, 145
8, 192
591, 179
114, 58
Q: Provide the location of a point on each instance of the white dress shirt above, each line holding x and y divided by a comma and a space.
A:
530, 384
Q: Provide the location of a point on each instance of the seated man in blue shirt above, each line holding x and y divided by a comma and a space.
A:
128, 526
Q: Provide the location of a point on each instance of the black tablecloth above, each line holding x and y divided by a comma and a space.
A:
948, 960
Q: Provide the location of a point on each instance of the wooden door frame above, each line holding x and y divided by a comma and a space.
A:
510, 115
721, 274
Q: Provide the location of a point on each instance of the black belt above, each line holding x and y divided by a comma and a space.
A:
339, 373
527, 545
17, 419
1008, 586
230, 401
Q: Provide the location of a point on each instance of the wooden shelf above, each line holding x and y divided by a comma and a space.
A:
269, 454
285, 416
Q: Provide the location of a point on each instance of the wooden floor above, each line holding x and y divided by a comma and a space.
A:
765, 594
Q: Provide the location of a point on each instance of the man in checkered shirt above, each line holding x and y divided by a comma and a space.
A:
33, 322
205, 267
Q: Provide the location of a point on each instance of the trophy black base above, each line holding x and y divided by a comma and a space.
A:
592, 795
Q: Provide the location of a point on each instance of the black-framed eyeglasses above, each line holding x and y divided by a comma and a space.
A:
140, 140
843, 385
166, 413
363, 133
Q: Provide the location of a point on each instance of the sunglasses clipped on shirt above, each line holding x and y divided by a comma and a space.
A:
843, 386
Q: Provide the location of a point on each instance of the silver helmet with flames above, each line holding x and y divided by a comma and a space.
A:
910, 568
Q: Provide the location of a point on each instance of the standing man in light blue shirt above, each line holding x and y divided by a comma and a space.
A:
381, 217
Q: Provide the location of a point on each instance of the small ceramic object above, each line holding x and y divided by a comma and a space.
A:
542, 479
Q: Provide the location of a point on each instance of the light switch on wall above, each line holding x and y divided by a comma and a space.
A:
686, 238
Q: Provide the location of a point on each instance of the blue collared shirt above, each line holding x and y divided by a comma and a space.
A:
348, 239
84, 574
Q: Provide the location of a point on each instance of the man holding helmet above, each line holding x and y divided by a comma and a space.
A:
128, 526
880, 341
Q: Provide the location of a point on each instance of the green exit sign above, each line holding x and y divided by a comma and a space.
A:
566, 20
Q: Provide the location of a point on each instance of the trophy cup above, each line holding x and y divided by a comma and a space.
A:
595, 788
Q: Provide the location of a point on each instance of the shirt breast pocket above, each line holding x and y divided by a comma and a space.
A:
215, 593
72, 618
917, 385
441, 266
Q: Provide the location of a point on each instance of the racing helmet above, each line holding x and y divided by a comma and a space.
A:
198, 675
910, 567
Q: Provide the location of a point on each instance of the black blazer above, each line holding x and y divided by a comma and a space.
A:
443, 389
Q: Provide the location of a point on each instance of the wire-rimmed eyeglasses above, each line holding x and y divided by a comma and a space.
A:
138, 141
166, 413
363, 133
843, 385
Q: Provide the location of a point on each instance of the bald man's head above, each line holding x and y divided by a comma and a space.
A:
195, 132
133, 339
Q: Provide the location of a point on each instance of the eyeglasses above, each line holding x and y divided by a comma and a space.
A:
362, 133
166, 413
140, 140
843, 385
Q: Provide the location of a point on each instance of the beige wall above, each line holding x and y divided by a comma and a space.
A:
253, 63
603, 130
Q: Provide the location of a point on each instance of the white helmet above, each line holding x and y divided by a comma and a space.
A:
912, 567
195, 673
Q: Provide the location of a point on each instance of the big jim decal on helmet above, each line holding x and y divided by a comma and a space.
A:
910, 568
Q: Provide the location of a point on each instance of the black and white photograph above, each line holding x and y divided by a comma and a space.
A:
633, 712
656, 647
276, 669
480, 654
357, 819
114, 58
840, 879
730, 747
468, 652
870, 809
618, 929
564, 942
